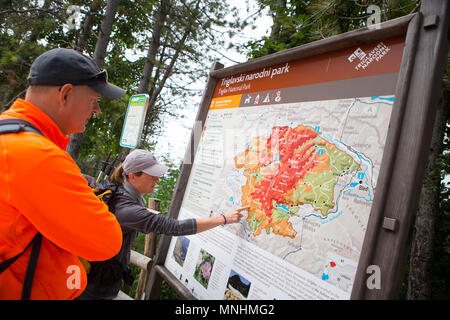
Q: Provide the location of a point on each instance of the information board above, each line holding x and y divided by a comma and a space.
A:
134, 121
301, 144
327, 144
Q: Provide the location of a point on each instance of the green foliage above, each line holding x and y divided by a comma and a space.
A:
441, 264
101, 135
165, 188
303, 21
167, 293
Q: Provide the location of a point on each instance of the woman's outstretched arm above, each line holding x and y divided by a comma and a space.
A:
232, 216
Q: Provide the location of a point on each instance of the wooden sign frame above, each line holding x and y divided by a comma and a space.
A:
405, 154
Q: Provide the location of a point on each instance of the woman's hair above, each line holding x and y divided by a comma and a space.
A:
118, 178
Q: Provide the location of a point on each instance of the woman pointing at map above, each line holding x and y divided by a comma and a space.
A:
138, 175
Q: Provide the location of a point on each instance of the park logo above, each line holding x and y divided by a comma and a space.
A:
358, 53
376, 54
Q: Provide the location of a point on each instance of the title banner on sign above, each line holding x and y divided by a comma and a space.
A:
367, 60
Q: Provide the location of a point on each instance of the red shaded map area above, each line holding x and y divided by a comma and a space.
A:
294, 148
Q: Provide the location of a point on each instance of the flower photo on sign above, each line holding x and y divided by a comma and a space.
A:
203, 268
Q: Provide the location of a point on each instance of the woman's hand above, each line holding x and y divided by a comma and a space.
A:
234, 216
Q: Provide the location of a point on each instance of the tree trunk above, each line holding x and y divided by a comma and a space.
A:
105, 32
87, 26
276, 14
154, 46
41, 16
99, 57
421, 261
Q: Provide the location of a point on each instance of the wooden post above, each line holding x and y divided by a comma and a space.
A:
149, 251
154, 204
385, 247
155, 279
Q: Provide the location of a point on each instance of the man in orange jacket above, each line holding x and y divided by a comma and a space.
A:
41, 187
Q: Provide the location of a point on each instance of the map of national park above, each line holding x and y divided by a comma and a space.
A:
307, 170
293, 167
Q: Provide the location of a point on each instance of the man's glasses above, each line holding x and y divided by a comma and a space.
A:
102, 75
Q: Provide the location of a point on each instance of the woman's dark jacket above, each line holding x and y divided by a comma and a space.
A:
133, 217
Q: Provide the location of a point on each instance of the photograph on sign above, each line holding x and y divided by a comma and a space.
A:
134, 121
301, 143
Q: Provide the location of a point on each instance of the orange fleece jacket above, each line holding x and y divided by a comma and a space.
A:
41, 189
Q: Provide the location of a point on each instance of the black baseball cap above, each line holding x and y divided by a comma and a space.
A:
60, 66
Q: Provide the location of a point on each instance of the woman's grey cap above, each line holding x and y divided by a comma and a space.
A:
141, 160
60, 66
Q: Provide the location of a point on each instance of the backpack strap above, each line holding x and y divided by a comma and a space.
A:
31, 268
107, 195
16, 126
5, 264
111, 202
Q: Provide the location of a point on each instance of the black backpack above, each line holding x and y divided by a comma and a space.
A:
15, 126
109, 271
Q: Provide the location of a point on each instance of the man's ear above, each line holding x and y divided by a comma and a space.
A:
64, 92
